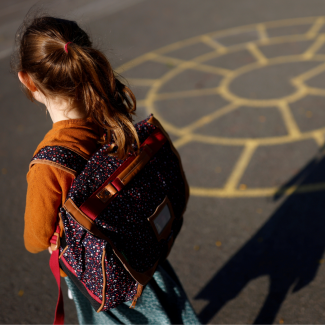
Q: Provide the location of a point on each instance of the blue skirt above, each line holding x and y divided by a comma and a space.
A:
163, 301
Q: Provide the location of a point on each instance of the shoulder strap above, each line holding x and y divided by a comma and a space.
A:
73, 163
60, 157
101, 198
155, 122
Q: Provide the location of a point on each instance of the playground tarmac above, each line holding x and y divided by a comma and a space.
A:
240, 87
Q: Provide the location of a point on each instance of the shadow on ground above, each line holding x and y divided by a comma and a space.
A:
288, 248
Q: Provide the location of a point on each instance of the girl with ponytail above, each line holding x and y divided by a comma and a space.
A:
89, 107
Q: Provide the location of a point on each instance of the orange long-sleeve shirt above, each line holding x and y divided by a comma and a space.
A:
48, 186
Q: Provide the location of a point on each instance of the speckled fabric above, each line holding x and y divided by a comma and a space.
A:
124, 221
62, 156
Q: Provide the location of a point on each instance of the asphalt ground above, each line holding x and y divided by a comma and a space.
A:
239, 85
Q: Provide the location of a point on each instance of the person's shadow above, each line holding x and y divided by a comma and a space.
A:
288, 248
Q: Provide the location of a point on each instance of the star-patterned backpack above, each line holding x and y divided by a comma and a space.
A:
120, 218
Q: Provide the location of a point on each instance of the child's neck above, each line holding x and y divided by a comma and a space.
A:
61, 110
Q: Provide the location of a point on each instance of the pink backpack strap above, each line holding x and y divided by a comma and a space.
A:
55, 268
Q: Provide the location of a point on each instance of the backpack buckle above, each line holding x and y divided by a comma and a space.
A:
107, 192
55, 241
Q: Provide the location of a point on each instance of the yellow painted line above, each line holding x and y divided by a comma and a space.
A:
319, 139
316, 91
310, 73
261, 29
283, 39
219, 192
151, 98
142, 103
170, 128
270, 141
212, 69
319, 57
220, 140
234, 141
191, 65
178, 45
286, 59
153, 94
135, 62
210, 117
275, 40
289, 121
256, 192
315, 28
291, 21
240, 166
141, 81
256, 52
169, 60
270, 41
186, 135
208, 56
213, 43
268, 25
226, 93
319, 42
182, 141
187, 64
231, 31
186, 93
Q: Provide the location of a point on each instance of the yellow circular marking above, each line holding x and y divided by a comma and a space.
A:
301, 89
233, 187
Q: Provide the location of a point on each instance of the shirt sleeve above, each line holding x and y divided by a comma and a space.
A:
47, 189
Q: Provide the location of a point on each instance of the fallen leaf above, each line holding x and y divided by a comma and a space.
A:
218, 243
242, 187
20, 293
321, 261
196, 247
281, 321
4, 171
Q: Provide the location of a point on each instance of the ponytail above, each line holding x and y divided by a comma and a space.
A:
107, 100
59, 57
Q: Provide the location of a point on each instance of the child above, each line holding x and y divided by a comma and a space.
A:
59, 68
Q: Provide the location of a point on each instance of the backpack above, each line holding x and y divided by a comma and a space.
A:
120, 218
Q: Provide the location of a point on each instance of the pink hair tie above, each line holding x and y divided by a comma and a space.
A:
66, 47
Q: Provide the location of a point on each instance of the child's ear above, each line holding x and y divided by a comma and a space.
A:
26, 80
